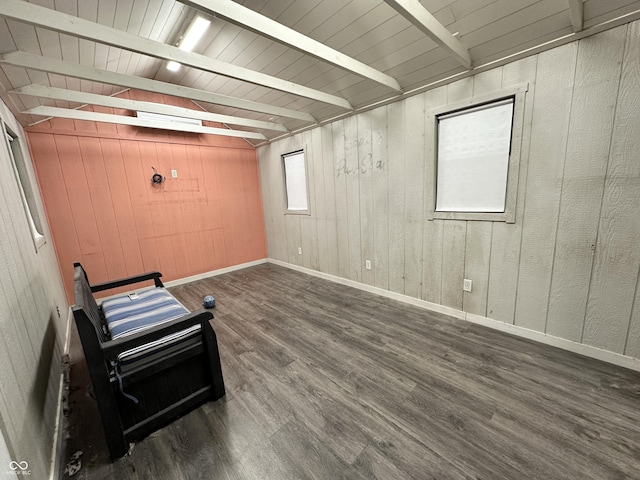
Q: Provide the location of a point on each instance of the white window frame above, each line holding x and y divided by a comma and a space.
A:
32, 214
509, 214
289, 211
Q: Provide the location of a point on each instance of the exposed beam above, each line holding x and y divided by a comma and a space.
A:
45, 64
413, 11
247, 18
38, 16
126, 104
137, 122
576, 11
490, 65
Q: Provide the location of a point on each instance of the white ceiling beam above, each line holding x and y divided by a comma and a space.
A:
413, 11
576, 11
45, 64
38, 16
247, 18
137, 105
138, 122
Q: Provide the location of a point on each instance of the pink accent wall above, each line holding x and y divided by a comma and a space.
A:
104, 212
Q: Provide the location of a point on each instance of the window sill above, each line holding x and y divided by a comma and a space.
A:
297, 212
479, 216
39, 241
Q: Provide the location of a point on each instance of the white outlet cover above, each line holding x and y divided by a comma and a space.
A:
174, 173
467, 285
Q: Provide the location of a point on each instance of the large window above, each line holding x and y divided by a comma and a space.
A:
295, 176
26, 190
476, 158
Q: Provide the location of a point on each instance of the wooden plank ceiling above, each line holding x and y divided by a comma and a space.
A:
271, 66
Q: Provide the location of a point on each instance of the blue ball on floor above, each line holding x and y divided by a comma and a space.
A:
209, 302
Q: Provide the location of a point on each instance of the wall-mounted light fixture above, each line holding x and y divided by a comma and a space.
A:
189, 40
171, 119
156, 178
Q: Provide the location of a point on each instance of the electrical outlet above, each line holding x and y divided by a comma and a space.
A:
467, 284
174, 173
367, 264
299, 250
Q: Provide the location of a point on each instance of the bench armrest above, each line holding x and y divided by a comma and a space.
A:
155, 276
114, 347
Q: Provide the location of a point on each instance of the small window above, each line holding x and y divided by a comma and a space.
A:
473, 158
26, 190
476, 159
295, 176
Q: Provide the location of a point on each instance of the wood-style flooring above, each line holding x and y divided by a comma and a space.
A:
330, 382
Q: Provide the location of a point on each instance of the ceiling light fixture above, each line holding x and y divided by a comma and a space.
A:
159, 117
189, 40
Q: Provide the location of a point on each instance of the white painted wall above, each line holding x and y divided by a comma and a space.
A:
32, 334
568, 267
5, 457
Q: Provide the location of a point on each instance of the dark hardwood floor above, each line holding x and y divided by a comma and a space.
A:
329, 382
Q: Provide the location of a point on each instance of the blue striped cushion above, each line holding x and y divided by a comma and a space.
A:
165, 345
126, 315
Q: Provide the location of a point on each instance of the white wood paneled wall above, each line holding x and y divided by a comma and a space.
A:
32, 334
569, 266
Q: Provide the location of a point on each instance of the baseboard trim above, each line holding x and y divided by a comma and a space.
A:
58, 432
58, 441
214, 273
67, 337
193, 278
575, 347
579, 348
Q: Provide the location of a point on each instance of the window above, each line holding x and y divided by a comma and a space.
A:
476, 158
26, 190
295, 177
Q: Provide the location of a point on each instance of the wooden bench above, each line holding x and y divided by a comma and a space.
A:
146, 375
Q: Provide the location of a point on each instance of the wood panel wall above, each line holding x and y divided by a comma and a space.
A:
33, 319
104, 211
568, 267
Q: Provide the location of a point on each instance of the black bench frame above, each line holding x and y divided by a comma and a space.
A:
167, 387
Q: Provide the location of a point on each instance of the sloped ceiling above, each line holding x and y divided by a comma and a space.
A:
406, 41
